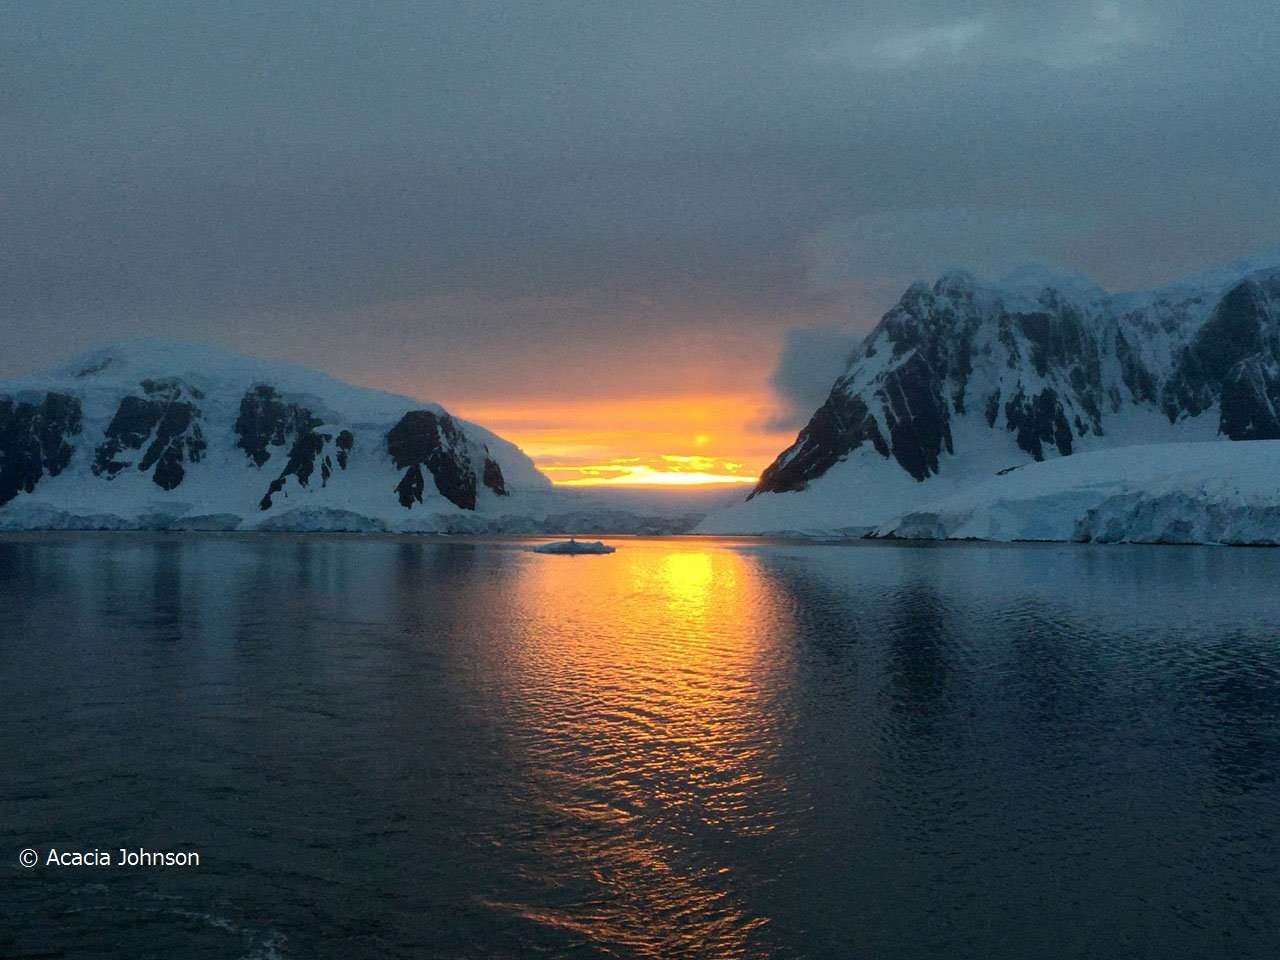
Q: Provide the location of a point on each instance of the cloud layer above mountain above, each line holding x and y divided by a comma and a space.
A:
493, 188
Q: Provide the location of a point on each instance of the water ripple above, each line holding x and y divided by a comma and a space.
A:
387, 747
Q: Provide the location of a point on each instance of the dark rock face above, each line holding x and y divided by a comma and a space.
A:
203, 429
1251, 402
308, 451
917, 417
265, 420
493, 478
434, 441
1230, 335
167, 416
840, 426
1234, 360
1136, 377
1038, 421
34, 440
915, 414
345, 442
411, 487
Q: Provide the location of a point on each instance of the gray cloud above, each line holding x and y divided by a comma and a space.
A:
921, 243
808, 364
196, 168
1068, 36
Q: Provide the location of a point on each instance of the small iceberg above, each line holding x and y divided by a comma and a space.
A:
572, 547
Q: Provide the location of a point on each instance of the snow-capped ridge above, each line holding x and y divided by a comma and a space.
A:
125, 363
156, 428
1209, 283
963, 379
1029, 282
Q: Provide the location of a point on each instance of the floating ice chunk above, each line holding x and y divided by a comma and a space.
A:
572, 547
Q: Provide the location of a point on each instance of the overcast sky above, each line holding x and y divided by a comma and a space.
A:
477, 200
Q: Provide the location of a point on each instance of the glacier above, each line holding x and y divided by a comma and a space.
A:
1211, 493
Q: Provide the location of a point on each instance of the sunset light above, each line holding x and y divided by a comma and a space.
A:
639, 475
640, 480
676, 441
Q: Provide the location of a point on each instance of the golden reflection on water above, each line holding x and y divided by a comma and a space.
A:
688, 579
643, 690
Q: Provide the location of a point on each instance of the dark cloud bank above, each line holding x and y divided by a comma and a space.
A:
486, 185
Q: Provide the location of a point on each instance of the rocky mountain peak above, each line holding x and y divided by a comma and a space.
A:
1051, 363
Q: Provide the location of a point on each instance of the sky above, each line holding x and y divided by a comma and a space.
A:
637, 238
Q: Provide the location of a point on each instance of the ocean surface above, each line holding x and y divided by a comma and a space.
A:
385, 748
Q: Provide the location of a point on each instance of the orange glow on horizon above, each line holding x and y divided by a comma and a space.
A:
639, 475
683, 441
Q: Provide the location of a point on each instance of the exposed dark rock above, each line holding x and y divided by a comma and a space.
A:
133, 422
1116, 401
993, 408
917, 418
177, 431
301, 464
1233, 361
265, 420
345, 442
840, 426
1056, 368
493, 478
169, 389
426, 439
34, 440
309, 451
960, 369
1136, 377
1037, 422
1250, 400
1004, 331
1049, 337
1230, 335
913, 406
411, 486
165, 417
95, 368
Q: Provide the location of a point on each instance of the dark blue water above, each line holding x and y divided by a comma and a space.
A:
406, 748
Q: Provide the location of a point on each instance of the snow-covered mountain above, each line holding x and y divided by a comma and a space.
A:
161, 433
157, 434
964, 379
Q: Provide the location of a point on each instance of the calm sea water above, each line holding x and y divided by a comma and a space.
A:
406, 748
